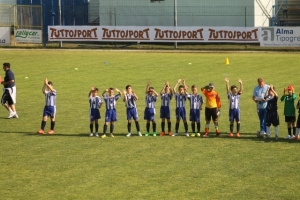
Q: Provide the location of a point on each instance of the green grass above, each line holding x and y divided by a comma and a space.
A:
71, 165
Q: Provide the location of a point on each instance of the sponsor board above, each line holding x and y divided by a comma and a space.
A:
280, 36
154, 34
28, 35
4, 36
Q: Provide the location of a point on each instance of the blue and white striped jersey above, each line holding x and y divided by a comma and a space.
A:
166, 98
95, 102
130, 101
234, 100
196, 100
180, 100
150, 101
111, 101
50, 98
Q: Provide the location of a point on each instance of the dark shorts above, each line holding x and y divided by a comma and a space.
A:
180, 113
211, 113
272, 118
165, 112
194, 115
132, 113
298, 121
234, 114
49, 111
94, 114
110, 115
290, 118
149, 114
6, 98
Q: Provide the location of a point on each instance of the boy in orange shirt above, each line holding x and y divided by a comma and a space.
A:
212, 107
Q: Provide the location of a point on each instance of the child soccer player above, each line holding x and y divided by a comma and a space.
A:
149, 114
212, 107
95, 103
196, 102
289, 110
50, 106
111, 113
272, 114
165, 111
233, 96
129, 98
180, 98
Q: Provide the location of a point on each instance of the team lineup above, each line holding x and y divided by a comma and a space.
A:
264, 96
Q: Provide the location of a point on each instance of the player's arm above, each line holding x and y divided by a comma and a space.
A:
218, 100
241, 86
90, 93
12, 80
147, 87
44, 86
174, 89
124, 98
155, 93
101, 102
134, 95
120, 93
103, 93
227, 85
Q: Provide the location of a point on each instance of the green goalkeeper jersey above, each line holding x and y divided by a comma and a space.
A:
289, 104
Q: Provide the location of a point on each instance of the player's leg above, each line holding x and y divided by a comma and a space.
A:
169, 127
52, 117
92, 127
207, 121
135, 117
183, 116
215, 120
111, 129
96, 127
162, 124
177, 121
129, 117
107, 121
237, 118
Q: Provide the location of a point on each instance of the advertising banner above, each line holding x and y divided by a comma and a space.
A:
280, 36
154, 34
4, 36
28, 36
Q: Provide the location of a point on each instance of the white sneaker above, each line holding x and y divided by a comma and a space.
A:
91, 134
128, 135
11, 115
187, 135
16, 115
96, 134
288, 137
292, 137
139, 133
175, 134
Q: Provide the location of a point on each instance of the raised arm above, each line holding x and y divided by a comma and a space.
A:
147, 87
155, 93
103, 93
90, 93
227, 85
174, 89
120, 93
163, 89
241, 85
134, 94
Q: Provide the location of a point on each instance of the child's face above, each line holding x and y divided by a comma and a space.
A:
150, 92
94, 93
194, 90
181, 90
167, 89
111, 92
234, 90
290, 92
129, 90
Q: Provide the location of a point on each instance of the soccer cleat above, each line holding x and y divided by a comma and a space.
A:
103, 136
193, 135
187, 134
175, 134
276, 137
205, 135
147, 133
140, 134
217, 133
91, 134
230, 135
267, 136
40, 131
112, 135
162, 133
170, 133
11, 115
96, 134
288, 137
16, 115
51, 132
198, 134
154, 134
295, 137
238, 135
128, 135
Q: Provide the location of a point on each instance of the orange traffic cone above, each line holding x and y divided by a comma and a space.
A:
226, 61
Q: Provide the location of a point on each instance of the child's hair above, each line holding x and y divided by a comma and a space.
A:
232, 87
194, 86
181, 86
151, 88
111, 88
96, 89
127, 86
6, 65
50, 83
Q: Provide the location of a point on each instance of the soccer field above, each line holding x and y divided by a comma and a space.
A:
72, 165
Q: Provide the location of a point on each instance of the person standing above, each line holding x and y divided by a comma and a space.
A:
212, 108
149, 113
165, 110
289, 110
258, 97
8, 99
272, 114
95, 103
50, 106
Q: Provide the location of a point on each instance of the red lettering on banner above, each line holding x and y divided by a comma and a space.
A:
115, 34
178, 35
233, 35
73, 34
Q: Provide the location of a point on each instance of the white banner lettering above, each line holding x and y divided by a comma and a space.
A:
280, 36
